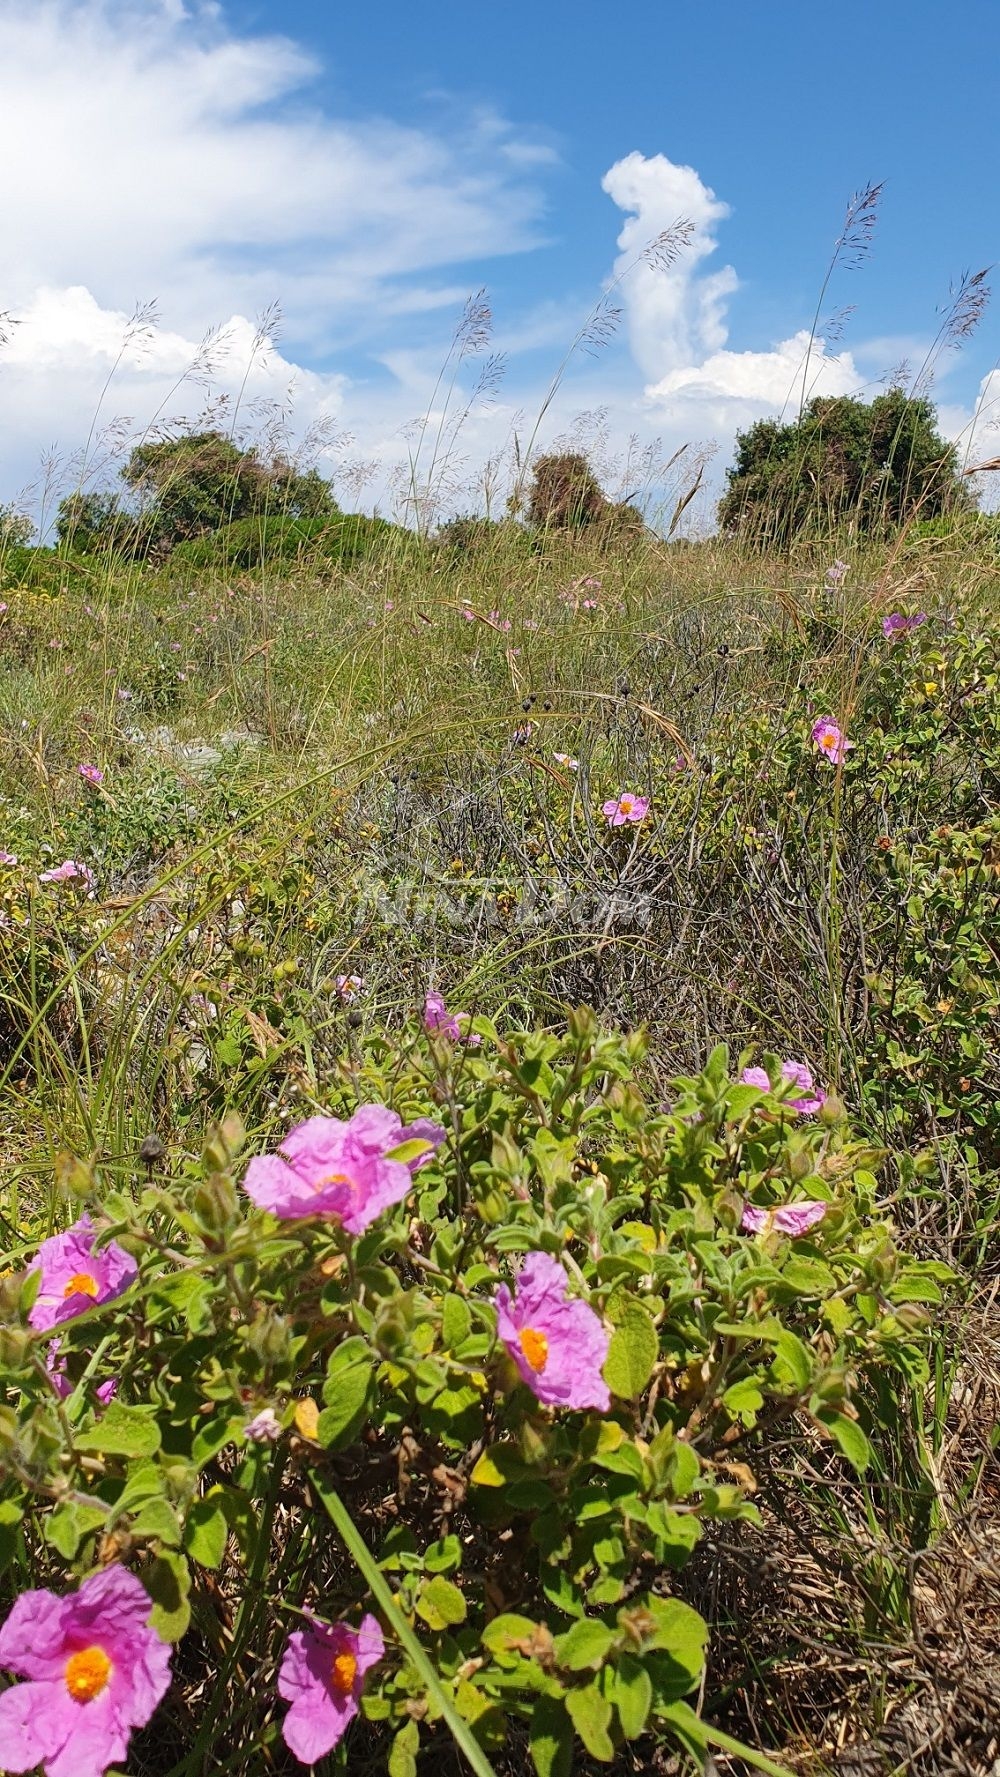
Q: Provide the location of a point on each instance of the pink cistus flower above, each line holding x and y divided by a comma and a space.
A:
94, 1669
68, 871
559, 1346
811, 1098
343, 1171
503, 623
7, 857
76, 1275
896, 624
349, 987
91, 774
625, 809
831, 739
567, 759
792, 1219
322, 1676
796, 1073
439, 1022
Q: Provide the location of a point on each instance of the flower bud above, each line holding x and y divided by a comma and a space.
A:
215, 1202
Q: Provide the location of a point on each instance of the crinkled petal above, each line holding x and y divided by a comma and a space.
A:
272, 1184
99, 1738
753, 1220
422, 1129
798, 1218
756, 1076
370, 1644
318, 1716
33, 1635
388, 1183
578, 1347
34, 1724
315, 1145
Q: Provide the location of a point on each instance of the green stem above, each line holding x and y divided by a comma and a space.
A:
365, 1561
696, 1735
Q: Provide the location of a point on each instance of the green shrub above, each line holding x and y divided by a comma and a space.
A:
279, 1380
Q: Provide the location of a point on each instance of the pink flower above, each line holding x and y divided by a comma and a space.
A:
836, 572
558, 1346
70, 871
442, 1023
896, 624
756, 1076
76, 1276
589, 604
95, 1670
626, 809
349, 987
326, 1167
470, 616
7, 857
567, 759
264, 1427
831, 739
793, 1219
797, 1074
322, 1677
501, 622
91, 774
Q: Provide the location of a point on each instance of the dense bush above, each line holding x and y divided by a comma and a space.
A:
189, 486
844, 461
217, 1398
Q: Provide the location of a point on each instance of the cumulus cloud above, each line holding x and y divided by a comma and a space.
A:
677, 315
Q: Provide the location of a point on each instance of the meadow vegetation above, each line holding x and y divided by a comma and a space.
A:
621, 1394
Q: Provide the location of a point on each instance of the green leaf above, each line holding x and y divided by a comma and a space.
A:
587, 1643
551, 1738
206, 1531
157, 1518
403, 1752
507, 1630
444, 1556
794, 1357
590, 1713
632, 1353
122, 1431
849, 1439
214, 1435
11, 1516
346, 1392
808, 1277
743, 1400
168, 1582
456, 1321
69, 1523
410, 1150
632, 1695
440, 1603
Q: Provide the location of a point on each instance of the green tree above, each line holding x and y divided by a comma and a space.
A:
198, 482
187, 487
869, 465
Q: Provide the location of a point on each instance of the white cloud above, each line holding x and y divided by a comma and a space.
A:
147, 148
677, 315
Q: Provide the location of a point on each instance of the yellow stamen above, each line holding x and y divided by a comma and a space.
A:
535, 1347
87, 1673
80, 1284
333, 1178
343, 1672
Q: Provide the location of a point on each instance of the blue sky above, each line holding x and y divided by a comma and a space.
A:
369, 167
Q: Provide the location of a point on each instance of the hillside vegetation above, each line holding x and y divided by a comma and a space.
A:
653, 889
